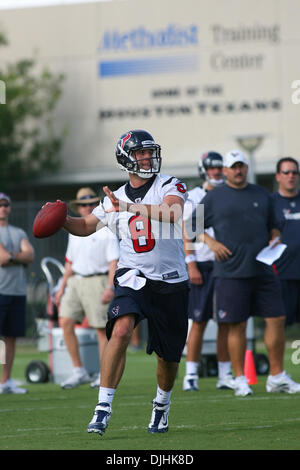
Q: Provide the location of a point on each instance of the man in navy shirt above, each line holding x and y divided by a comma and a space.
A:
241, 215
287, 214
200, 261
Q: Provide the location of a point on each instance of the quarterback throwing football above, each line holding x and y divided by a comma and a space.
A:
151, 280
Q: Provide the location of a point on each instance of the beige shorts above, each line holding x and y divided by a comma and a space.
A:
82, 297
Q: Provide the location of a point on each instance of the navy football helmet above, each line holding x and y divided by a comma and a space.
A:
128, 144
210, 160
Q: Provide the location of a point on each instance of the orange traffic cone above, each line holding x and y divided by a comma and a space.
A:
249, 368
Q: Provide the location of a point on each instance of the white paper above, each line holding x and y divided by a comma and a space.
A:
271, 253
132, 280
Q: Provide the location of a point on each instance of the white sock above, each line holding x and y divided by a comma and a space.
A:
106, 395
241, 378
224, 368
278, 376
191, 368
79, 370
162, 396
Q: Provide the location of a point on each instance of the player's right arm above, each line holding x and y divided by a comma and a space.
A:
170, 210
82, 226
195, 275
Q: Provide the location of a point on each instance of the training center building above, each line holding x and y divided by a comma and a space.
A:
198, 75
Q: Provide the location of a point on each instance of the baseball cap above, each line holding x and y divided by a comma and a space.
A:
5, 196
234, 156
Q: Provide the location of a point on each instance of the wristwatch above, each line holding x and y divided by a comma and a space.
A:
12, 258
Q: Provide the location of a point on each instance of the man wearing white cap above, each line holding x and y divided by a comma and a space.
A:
242, 217
200, 260
15, 254
87, 286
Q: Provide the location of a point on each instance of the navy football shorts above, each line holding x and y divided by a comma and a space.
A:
166, 314
12, 315
201, 297
237, 299
290, 290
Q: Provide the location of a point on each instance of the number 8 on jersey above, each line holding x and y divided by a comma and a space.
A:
141, 235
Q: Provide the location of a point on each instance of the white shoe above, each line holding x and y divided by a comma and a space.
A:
100, 418
283, 383
226, 382
77, 378
96, 382
10, 387
242, 388
159, 418
190, 383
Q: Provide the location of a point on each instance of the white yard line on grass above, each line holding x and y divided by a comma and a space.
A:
213, 399
201, 426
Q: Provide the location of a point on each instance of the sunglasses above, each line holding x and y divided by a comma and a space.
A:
286, 172
4, 205
87, 204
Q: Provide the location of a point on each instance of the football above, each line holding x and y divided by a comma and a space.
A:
50, 219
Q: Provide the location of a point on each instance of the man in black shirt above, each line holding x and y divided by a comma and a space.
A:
241, 215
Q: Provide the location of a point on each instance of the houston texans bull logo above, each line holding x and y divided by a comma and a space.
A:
123, 142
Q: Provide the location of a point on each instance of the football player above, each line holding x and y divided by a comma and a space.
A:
151, 280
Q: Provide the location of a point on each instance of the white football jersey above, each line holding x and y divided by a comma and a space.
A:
153, 247
201, 250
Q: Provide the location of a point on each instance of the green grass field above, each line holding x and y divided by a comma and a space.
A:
49, 418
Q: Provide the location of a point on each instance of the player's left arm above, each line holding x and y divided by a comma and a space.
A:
170, 210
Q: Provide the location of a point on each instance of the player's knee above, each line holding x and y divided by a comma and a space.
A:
123, 329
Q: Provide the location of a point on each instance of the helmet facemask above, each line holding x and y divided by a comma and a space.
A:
209, 161
138, 141
143, 167
148, 166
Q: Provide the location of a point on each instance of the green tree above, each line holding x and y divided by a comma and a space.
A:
29, 144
